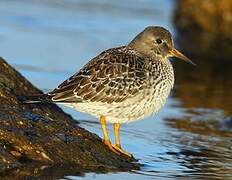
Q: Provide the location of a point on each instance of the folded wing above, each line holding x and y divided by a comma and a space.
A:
113, 76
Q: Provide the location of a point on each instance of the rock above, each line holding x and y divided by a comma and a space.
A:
204, 27
36, 139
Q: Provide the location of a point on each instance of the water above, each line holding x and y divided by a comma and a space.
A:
47, 41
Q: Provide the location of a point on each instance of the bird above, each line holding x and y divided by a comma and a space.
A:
122, 84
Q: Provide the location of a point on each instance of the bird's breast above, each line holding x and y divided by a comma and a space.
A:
160, 83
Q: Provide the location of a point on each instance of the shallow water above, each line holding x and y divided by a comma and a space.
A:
47, 41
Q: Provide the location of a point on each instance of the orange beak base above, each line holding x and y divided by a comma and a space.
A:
178, 54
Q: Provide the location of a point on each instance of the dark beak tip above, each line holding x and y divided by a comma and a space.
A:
178, 54
194, 64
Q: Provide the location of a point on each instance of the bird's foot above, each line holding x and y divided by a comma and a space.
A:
119, 149
110, 146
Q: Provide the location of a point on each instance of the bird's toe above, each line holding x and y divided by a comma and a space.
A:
121, 151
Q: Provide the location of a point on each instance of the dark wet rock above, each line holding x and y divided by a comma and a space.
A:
35, 138
204, 27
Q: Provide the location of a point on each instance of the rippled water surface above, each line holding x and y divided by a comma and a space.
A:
49, 40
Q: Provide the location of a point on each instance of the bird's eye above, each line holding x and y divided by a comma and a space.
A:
159, 41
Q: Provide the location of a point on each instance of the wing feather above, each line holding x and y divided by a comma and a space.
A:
113, 76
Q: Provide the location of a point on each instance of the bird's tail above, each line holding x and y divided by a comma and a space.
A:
42, 98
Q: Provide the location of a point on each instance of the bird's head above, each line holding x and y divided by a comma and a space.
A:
156, 42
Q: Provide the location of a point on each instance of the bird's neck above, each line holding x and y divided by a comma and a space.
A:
164, 66
156, 64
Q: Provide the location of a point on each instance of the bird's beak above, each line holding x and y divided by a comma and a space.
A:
178, 54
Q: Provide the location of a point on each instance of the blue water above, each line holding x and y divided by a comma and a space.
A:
49, 40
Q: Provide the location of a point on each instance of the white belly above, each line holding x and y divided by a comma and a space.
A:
149, 101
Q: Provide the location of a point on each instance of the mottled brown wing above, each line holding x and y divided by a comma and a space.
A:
113, 76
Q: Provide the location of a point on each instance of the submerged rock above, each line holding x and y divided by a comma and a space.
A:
42, 136
204, 27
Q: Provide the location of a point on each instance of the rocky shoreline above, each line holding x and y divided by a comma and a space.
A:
39, 139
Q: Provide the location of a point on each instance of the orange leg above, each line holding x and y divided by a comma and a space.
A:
117, 136
106, 135
117, 145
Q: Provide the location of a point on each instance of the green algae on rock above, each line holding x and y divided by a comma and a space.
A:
42, 135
